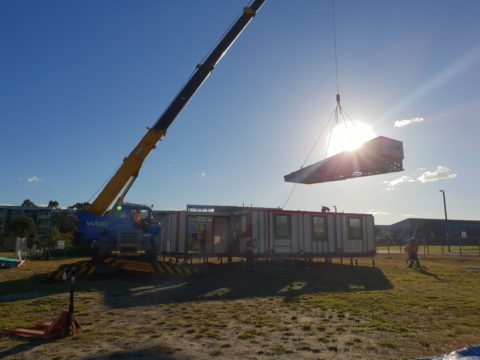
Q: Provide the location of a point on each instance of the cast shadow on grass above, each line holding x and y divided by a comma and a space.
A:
423, 270
154, 353
287, 280
33, 287
26, 345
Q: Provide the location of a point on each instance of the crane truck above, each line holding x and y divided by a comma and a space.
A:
127, 229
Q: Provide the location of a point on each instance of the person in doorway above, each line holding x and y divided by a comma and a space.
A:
203, 240
412, 251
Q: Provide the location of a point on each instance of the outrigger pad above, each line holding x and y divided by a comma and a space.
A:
381, 155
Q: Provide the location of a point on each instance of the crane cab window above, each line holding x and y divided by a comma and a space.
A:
136, 215
144, 215
141, 215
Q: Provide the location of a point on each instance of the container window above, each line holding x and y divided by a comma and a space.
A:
282, 226
355, 228
319, 228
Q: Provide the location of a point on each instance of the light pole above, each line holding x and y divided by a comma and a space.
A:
335, 208
446, 220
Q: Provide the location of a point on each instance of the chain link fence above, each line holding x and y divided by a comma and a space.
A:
428, 245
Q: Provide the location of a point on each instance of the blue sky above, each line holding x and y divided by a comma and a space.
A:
81, 81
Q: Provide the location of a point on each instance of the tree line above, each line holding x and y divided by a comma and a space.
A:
53, 204
62, 226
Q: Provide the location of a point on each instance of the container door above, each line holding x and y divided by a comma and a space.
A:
221, 234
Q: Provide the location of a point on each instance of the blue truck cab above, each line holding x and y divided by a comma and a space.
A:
125, 230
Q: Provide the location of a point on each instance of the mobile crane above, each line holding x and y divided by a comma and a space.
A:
129, 229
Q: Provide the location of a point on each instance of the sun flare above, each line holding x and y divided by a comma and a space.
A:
349, 136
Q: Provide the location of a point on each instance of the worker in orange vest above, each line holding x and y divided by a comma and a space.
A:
412, 250
136, 216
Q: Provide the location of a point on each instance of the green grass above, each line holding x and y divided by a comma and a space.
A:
437, 249
285, 310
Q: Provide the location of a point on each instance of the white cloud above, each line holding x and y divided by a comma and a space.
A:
34, 179
378, 212
203, 174
392, 183
405, 122
440, 173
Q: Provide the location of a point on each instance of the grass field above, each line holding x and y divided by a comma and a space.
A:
284, 310
436, 249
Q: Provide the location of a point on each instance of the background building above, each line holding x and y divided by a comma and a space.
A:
42, 216
432, 231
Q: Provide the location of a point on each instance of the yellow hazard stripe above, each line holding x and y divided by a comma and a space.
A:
91, 270
158, 268
114, 263
168, 269
136, 266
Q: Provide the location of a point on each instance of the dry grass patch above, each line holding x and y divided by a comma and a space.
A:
283, 311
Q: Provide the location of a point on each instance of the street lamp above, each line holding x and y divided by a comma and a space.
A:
335, 208
446, 220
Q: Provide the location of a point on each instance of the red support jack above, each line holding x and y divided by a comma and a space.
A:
58, 328
64, 325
